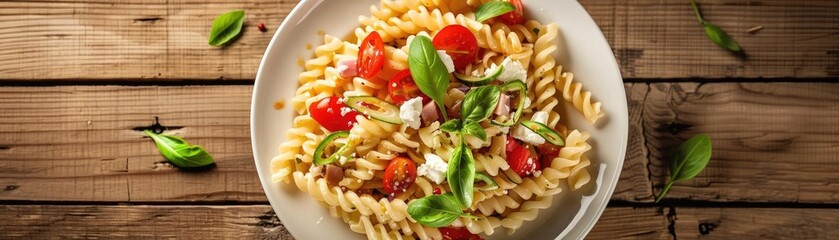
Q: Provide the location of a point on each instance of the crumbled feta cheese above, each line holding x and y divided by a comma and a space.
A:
527, 135
434, 168
513, 70
345, 110
410, 112
447, 60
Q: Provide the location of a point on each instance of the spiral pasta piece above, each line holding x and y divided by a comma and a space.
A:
573, 93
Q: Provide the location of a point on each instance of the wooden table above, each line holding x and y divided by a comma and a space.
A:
79, 77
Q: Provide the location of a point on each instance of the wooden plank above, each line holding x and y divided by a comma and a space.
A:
756, 223
144, 222
652, 39
79, 143
631, 223
663, 39
135, 39
228, 222
772, 142
634, 183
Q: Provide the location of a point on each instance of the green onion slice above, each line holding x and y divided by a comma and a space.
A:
544, 131
375, 108
319, 159
489, 183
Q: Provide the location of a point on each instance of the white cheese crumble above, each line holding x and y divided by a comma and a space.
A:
434, 168
345, 110
447, 60
527, 135
410, 112
513, 70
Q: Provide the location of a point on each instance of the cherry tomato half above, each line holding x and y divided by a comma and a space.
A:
516, 16
547, 153
333, 114
459, 43
371, 55
400, 174
461, 233
402, 87
521, 159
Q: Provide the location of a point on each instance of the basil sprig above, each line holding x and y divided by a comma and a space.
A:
436, 210
179, 152
226, 27
479, 103
461, 174
493, 9
715, 33
428, 71
691, 158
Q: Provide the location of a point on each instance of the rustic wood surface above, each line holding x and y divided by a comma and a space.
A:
80, 79
155, 40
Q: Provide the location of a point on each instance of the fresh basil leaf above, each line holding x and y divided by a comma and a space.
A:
179, 152
461, 174
690, 159
428, 71
493, 9
452, 125
435, 210
475, 129
226, 27
715, 33
479, 103
718, 36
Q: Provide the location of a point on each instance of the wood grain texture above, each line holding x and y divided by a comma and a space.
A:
634, 182
134, 39
772, 142
230, 222
150, 39
663, 39
756, 223
140, 222
79, 144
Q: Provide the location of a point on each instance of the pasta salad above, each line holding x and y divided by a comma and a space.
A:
437, 119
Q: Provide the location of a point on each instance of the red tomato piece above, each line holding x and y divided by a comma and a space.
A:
521, 159
547, 153
402, 87
371, 56
333, 114
461, 233
459, 43
400, 174
516, 16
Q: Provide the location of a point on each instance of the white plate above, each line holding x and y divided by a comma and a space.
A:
583, 50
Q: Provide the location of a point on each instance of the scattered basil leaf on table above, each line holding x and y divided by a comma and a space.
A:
715, 33
493, 9
690, 159
436, 210
428, 71
479, 103
461, 174
226, 27
452, 125
179, 152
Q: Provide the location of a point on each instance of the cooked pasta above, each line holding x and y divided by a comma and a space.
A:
371, 139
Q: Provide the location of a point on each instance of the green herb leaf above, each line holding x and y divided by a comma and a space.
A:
715, 33
493, 9
428, 71
179, 152
718, 36
479, 103
436, 210
452, 125
226, 27
691, 158
461, 174
475, 129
